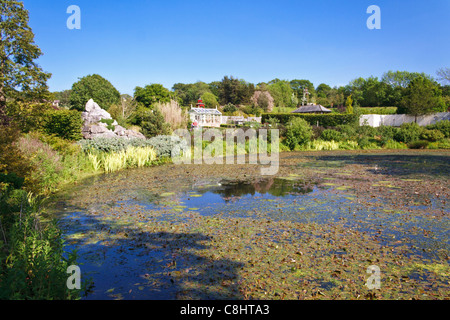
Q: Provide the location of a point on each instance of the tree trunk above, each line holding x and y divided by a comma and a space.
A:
4, 119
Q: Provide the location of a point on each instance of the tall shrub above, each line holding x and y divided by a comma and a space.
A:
298, 133
65, 124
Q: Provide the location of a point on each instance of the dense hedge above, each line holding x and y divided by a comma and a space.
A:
324, 120
65, 124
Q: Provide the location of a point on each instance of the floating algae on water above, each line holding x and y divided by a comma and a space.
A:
199, 235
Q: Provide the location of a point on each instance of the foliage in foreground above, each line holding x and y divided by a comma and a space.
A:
33, 261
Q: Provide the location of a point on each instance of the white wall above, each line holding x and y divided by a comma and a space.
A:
396, 120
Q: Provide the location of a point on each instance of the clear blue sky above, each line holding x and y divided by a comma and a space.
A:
138, 42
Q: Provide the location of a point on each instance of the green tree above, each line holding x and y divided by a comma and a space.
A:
422, 96
214, 87
188, 94
336, 96
93, 87
235, 91
298, 86
349, 104
281, 91
397, 82
151, 122
229, 108
210, 100
151, 94
323, 90
264, 102
298, 132
20, 75
444, 75
64, 98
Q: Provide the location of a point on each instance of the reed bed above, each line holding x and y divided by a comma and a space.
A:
131, 157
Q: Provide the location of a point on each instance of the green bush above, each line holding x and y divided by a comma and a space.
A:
47, 166
35, 266
431, 135
419, 144
166, 145
33, 259
366, 131
109, 123
443, 126
349, 132
229, 108
442, 144
367, 143
392, 144
331, 135
151, 121
65, 124
408, 132
298, 132
107, 144
324, 120
387, 132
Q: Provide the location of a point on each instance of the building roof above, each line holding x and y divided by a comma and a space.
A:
312, 108
205, 111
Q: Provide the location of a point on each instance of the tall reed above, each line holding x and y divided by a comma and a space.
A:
131, 157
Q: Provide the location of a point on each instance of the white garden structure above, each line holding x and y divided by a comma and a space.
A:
203, 117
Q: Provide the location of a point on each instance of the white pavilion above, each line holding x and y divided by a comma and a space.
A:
204, 117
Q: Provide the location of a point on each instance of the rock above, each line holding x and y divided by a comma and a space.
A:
94, 113
119, 130
96, 129
107, 134
93, 128
134, 134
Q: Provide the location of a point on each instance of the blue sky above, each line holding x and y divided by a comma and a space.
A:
139, 42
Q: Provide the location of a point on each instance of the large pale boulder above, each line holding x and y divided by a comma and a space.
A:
93, 128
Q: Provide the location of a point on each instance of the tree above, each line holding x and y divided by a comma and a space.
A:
373, 93
93, 87
323, 90
422, 96
336, 96
281, 92
20, 75
151, 121
151, 94
298, 132
397, 82
188, 94
349, 104
210, 100
235, 91
263, 100
355, 88
229, 108
444, 75
298, 86
63, 97
123, 111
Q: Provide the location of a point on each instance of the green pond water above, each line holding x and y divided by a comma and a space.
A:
150, 233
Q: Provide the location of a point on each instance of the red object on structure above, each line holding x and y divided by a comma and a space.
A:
200, 103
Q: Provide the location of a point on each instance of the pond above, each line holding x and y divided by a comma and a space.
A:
225, 232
